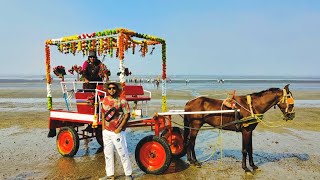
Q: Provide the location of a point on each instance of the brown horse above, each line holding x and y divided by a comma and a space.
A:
252, 104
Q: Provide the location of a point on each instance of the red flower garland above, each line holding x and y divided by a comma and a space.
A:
48, 76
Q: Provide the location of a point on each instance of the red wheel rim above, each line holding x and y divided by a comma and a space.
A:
65, 142
177, 143
152, 155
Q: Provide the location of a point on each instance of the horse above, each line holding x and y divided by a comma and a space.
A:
249, 106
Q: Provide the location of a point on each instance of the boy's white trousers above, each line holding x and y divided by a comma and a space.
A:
111, 140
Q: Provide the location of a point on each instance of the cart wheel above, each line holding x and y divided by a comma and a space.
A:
68, 141
153, 154
98, 132
177, 147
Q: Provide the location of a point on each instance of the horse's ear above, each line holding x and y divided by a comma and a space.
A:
287, 87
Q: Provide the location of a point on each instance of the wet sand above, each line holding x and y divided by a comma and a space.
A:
288, 152
156, 94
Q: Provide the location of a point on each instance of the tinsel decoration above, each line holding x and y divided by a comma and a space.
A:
106, 45
126, 42
144, 48
48, 76
89, 45
110, 47
93, 45
111, 52
100, 50
117, 53
120, 49
83, 45
79, 46
47, 51
73, 48
133, 47
152, 50
164, 59
60, 48
49, 99
164, 104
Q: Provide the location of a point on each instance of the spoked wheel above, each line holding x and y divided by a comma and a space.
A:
98, 133
177, 147
153, 154
68, 141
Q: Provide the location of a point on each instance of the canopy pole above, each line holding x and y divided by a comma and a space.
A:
48, 76
164, 78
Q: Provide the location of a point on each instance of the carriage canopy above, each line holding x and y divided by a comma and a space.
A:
110, 42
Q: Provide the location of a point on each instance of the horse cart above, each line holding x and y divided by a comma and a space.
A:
82, 108
153, 153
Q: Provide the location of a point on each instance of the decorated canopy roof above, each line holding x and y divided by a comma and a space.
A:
105, 42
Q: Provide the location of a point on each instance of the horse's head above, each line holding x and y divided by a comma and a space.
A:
286, 104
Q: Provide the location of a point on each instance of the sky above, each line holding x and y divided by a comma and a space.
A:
204, 37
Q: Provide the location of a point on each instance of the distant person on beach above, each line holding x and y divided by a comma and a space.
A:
115, 115
91, 71
157, 83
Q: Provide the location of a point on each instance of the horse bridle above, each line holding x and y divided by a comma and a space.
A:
288, 99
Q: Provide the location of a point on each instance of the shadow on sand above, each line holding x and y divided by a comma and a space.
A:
259, 157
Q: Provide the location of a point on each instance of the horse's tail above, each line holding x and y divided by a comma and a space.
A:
186, 129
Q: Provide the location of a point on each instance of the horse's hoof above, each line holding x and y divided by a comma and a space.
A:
256, 169
197, 164
248, 172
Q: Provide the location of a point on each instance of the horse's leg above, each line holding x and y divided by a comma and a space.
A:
186, 136
192, 143
245, 145
187, 145
250, 152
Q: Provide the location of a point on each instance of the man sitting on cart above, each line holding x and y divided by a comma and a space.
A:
93, 70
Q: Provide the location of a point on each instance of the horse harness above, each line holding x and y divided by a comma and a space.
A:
256, 118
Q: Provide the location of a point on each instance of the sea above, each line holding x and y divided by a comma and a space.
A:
192, 83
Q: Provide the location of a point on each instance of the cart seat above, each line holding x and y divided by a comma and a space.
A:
136, 93
83, 106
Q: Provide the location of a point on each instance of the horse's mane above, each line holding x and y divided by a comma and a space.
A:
258, 94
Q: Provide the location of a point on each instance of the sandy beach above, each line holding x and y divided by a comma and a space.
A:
291, 151
57, 58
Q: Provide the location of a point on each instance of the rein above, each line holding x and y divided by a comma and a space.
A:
243, 120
